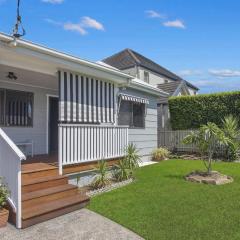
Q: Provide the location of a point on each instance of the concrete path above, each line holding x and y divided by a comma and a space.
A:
79, 225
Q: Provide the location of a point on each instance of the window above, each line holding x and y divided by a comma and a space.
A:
16, 108
146, 77
132, 114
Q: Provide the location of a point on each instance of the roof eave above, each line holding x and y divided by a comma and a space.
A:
52, 52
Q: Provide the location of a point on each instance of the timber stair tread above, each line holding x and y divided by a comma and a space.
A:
37, 167
26, 182
38, 210
47, 191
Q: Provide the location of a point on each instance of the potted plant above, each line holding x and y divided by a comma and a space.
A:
4, 213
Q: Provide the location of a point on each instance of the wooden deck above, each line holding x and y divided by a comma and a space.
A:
69, 169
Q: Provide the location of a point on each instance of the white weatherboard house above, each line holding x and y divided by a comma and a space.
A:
60, 109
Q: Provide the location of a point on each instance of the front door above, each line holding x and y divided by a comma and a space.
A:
53, 125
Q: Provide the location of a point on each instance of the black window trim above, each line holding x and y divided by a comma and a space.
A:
144, 116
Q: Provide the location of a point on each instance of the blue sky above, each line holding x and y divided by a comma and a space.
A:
198, 40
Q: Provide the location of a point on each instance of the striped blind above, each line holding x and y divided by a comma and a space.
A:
85, 99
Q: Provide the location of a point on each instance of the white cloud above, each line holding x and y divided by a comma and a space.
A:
175, 24
53, 22
189, 72
154, 14
85, 23
75, 27
224, 73
88, 22
53, 1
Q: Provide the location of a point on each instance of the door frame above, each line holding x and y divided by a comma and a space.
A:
47, 122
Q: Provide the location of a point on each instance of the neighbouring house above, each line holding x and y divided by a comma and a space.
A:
152, 73
60, 114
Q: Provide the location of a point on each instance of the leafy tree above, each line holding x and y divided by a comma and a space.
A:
207, 139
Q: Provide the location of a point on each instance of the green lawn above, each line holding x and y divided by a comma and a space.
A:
160, 204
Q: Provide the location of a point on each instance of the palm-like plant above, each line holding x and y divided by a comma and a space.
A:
132, 157
122, 171
101, 179
207, 139
232, 131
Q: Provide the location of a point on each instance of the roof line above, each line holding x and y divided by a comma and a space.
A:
133, 56
42, 49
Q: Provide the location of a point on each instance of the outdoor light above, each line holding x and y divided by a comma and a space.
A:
11, 76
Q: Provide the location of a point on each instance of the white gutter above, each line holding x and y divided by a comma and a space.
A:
52, 52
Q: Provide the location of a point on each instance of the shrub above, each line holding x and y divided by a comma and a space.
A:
160, 154
190, 112
4, 193
132, 157
122, 171
126, 166
101, 179
232, 131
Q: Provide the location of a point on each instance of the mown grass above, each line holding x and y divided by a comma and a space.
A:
160, 204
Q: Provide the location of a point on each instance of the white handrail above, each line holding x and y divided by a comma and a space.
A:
10, 169
12, 145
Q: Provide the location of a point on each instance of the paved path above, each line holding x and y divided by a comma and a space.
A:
79, 225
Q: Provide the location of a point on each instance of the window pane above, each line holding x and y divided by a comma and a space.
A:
1, 106
146, 77
19, 108
138, 115
125, 113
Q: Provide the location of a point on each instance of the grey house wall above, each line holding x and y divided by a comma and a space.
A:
145, 139
37, 133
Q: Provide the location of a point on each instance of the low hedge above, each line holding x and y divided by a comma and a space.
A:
190, 112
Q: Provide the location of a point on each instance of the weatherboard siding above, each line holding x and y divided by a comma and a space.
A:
36, 133
145, 139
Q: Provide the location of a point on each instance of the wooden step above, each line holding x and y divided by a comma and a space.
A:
36, 170
29, 185
48, 194
40, 213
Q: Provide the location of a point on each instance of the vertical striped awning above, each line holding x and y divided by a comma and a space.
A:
131, 98
85, 99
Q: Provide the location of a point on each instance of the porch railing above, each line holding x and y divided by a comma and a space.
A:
10, 170
84, 143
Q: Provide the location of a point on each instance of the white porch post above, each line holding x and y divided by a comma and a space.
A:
60, 159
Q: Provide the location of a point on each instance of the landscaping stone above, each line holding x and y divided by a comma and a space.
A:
214, 178
109, 188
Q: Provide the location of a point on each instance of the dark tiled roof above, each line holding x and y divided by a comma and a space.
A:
129, 58
169, 87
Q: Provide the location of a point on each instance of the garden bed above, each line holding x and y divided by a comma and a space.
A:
214, 178
113, 185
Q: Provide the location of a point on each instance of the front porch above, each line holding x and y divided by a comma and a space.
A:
52, 160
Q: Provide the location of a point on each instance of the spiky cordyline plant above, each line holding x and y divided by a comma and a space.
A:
122, 171
132, 157
101, 179
232, 131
